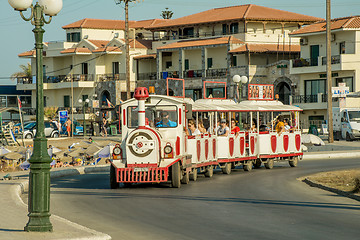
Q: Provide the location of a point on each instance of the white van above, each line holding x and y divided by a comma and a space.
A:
346, 123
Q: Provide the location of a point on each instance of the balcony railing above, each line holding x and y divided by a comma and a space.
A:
59, 79
111, 77
305, 62
216, 73
192, 74
200, 35
164, 75
305, 99
334, 60
147, 76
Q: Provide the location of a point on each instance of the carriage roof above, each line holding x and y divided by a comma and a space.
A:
228, 105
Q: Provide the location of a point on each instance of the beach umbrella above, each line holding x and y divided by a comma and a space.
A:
4, 151
105, 152
92, 150
311, 139
13, 156
76, 153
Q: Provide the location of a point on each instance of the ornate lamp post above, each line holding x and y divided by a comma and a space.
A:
39, 178
239, 82
83, 108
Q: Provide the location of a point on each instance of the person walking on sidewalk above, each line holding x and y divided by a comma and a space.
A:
104, 127
68, 127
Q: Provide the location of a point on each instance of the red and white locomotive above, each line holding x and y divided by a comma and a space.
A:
155, 147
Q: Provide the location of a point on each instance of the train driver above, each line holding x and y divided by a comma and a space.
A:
165, 121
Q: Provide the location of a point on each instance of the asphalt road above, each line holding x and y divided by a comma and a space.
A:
262, 204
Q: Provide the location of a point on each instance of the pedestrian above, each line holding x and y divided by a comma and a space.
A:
104, 126
68, 127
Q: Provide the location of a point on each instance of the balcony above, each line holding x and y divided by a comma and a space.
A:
200, 35
58, 79
192, 74
164, 75
146, 76
334, 60
111, 77
309, 102
216, 73
304, 62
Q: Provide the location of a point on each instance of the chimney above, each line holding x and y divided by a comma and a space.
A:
141, 94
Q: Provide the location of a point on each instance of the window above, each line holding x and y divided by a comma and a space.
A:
168, 64
234, 28
45, 101
25, 101
209, 63
84, 68
2, 101
189, 32
115, 67
349, 81
67, 101
187, 64
159, 116
234, 60
224, 29
342, 48
73, 37
313, 87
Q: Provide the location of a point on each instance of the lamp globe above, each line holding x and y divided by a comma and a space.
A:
244, 79
51, 7
20, 5
236, 78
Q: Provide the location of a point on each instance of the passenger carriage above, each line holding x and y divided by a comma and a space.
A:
152, 152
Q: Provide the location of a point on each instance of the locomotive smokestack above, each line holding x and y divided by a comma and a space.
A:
141, 94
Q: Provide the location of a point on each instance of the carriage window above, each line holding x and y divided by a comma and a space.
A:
159, 116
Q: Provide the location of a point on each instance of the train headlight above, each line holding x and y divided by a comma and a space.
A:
117, 151
168, 149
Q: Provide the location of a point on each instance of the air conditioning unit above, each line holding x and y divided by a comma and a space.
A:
333, 37
303, 41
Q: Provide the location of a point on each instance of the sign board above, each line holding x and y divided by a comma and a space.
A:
261, 92
340, 91
95, 104
63, 116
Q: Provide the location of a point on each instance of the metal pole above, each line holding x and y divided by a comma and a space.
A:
84, 128
328, 70
39, 177
128, 94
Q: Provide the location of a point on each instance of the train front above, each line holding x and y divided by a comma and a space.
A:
151, 141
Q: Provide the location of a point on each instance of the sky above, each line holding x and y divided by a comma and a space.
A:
17, 36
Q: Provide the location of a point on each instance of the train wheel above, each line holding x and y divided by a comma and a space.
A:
175, 175
209, 171
269, 164
227, 168
193, 175
257, 163
113, 183
248, 166
186, 178
294, 162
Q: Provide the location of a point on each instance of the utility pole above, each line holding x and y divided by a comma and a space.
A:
328, 71
127, 45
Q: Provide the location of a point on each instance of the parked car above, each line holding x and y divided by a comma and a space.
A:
51, 130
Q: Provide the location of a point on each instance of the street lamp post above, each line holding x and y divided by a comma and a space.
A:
39, 177
83, 108
239, 82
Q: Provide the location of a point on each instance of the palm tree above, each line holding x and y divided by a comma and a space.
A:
166, 14
25, 73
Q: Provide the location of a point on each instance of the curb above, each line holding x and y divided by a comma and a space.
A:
331, 155
334, 190
21, 187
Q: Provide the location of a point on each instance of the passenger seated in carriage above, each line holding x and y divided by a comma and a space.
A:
234, 129
165, 121
223, 130
280, 124
192, 130
201, 127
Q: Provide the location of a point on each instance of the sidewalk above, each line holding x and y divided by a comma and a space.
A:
14, 210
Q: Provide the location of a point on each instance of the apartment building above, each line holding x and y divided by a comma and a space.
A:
208, 48
204, 48
311, 66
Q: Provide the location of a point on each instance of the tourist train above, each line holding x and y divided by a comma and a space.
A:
156, 145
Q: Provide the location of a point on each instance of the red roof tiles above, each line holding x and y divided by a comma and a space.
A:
266, 48
338, 23
76, 50
242, 12
148, 56
31, 53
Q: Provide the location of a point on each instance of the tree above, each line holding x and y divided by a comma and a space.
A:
50, 112
167, 14
25, 73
